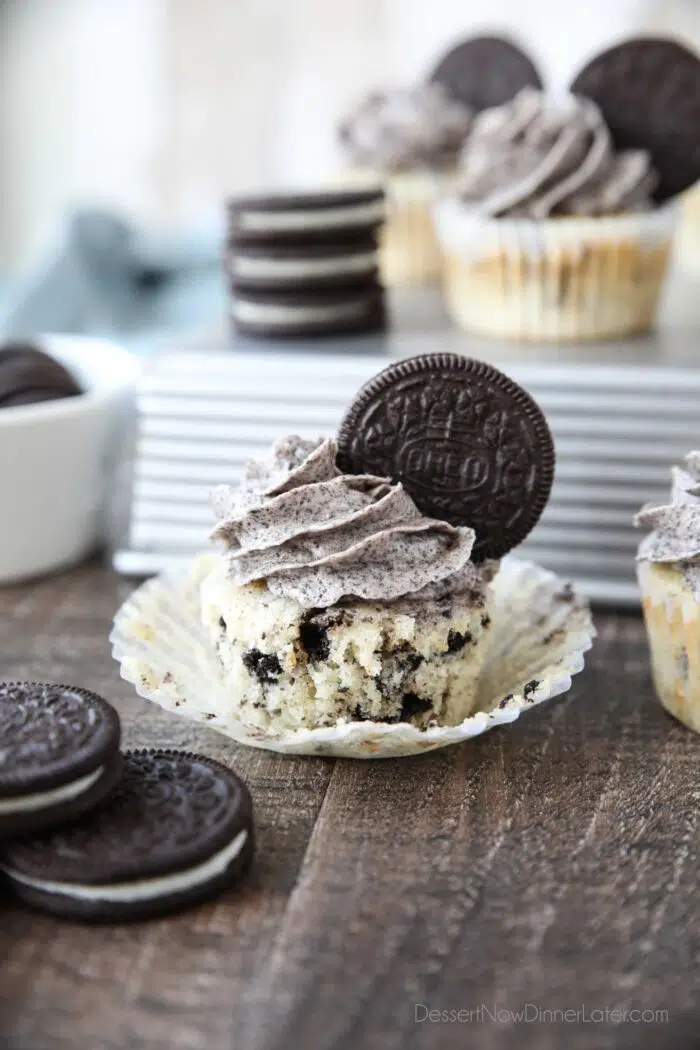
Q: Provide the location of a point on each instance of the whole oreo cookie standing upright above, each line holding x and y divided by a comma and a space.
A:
178, 830
648, 90
28, 376
470, 446
485, 71
59, 755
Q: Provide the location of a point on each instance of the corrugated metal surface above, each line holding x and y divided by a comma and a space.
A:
202, 414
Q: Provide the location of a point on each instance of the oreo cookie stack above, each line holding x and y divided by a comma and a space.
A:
306, 264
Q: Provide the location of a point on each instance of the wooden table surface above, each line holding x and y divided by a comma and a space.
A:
546, 867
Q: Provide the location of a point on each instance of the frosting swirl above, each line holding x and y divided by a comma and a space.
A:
420, 127
530, 159
676, 525
318, 536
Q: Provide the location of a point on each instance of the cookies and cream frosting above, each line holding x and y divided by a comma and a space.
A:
531, 158
404, 129
318, 536
675, 535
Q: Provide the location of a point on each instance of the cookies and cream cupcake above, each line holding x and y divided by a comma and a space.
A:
408, 139
354, 578
339, 600
668, 568
411, 137
561, 224
552, 232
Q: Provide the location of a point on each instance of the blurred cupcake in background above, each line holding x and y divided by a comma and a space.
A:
407, 139
410, 138
561, 223
552, 233
668, 568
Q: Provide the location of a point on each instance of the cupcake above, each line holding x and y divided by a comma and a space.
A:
339, 600
668, 568
408, 139
354, 577
552, 233
561, 222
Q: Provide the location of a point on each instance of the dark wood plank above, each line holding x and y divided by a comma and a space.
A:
167, 984
551, 863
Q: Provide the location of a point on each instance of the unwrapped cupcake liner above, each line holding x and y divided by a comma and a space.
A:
540, 630
564, 279
672, 616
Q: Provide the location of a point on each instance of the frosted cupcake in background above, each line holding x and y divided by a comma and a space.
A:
410, 138
668, 568
560, 227
552, 233
407, 139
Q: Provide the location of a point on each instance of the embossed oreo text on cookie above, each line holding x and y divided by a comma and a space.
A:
470, 446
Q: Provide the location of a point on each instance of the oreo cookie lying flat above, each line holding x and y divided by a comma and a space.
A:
470, 446
648, 90
308, 215
59, 755
353, 308
329, 263
28, 375
485, 71
178, 830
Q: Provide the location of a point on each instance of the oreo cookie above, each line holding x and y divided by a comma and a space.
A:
354, 308
331, 263
470, 446
59, 755
178, 830
28, 376
311, 216
648, 90
485, 71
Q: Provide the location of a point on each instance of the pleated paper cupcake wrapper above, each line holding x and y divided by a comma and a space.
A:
672, 616
562, 279
540, 630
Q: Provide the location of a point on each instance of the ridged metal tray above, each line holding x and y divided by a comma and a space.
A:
620, 415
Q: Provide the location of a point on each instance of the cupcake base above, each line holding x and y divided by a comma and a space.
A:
558, 280
672, 615
540, 630
286, 667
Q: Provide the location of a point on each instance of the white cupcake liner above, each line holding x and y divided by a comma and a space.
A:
672, 617
539, 633
559, 279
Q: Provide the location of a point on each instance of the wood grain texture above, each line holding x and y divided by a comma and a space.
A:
551, 863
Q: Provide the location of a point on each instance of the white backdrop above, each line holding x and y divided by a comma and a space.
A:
162, 107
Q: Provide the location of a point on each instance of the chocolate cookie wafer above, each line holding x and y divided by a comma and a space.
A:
470, 446
59, 754
28, 375
178, 830
355, 308
648, 90
485, 71
333, 262
278, 217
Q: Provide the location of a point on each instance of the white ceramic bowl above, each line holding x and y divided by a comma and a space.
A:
56, 459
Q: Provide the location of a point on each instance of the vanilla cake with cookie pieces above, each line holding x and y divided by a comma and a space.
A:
354, 578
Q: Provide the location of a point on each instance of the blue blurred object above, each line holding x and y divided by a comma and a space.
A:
105, 278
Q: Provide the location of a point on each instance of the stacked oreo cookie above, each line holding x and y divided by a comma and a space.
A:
306, 264
92, 833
